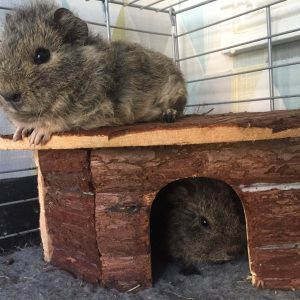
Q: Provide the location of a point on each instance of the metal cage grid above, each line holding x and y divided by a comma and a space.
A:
160, 6
173, 11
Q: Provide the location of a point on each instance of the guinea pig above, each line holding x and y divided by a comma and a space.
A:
56, 76
204, 222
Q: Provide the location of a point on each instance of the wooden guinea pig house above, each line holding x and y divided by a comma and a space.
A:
96, 189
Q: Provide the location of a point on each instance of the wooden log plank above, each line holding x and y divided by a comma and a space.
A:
273, 217
75, 222
63, 161
278, 268
46, 239
125, 273
276, 283
64, 182
72, 262
237, 164
69, 212
122, 224
119, 173
71, 201
273, 222
189, 130
74, 243
126, 181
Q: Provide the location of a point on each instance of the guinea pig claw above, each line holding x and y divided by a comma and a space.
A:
39, 137
26, 132
169, 115
18, 134
21, 132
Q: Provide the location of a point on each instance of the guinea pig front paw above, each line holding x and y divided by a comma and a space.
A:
40, 136
169, 115
21, 132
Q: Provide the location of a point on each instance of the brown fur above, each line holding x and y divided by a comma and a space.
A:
87, 83
189, 201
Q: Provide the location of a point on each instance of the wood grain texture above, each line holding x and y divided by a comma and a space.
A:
188, 130
125, 273
122, 224
276, 268
45, 237
122, 228
270, 283
97, 205
151, 168
273, 222
127, 179
275, 215
70, 260
69, 213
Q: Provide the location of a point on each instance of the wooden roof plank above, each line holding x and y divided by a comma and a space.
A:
195, 129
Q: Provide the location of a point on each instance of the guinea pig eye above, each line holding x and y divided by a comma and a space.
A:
41, 56
204, 223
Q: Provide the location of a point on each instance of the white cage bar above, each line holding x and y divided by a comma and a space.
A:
171, 9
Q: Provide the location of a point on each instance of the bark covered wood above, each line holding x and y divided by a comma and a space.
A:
69, 203
126, 178
97, 206
188, 130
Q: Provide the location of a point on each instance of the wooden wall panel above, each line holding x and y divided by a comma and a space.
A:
69, 208
125, 273
274, 216
97, 203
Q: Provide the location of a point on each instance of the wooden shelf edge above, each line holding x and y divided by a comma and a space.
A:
159, 137
197, 129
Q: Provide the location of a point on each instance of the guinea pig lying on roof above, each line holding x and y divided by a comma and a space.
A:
56, 76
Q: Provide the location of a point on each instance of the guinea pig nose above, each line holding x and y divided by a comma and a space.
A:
12, 97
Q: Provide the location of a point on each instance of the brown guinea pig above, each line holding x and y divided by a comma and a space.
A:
56, 76
204, 222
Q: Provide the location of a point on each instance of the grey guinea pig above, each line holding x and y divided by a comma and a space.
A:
205, 223
56, 76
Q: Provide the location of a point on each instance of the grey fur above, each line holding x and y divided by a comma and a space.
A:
87, 83
185, 203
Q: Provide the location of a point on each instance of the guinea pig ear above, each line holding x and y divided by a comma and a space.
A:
73, 29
